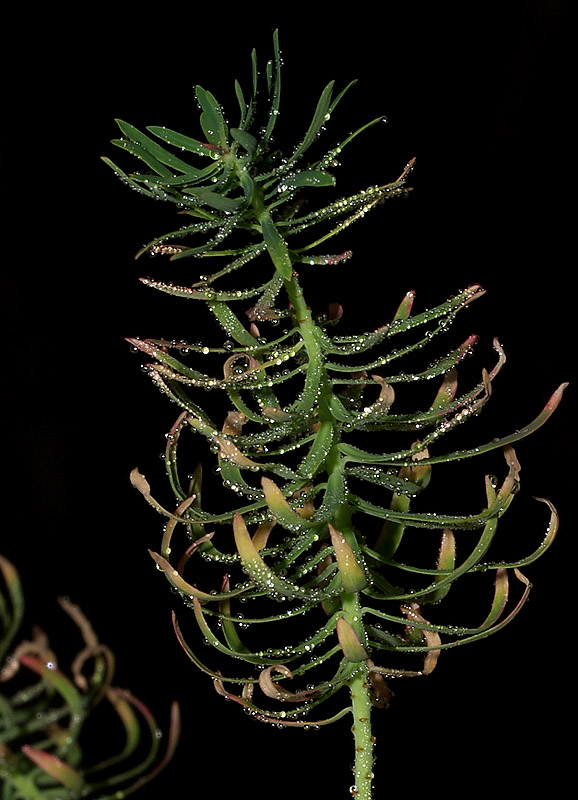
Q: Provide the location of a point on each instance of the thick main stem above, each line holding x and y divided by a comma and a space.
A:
360, 690
359, 683
362, 735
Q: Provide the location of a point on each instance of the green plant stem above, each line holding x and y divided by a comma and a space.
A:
362, 736
305, 321
360, 708
359, 682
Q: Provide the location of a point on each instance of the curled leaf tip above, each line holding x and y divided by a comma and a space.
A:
522, 578
139, 482
275, 690
554, 401
432, 638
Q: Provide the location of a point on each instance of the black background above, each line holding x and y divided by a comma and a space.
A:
480, 97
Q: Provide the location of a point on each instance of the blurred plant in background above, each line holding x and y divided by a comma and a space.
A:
43, 712
319, 581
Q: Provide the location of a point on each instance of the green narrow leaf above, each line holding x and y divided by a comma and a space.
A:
154, 149
143, 155
362, 456
215, 200
192, 178
245, 139
247, 185
212, 120
231, 323
258, 570
276, 247
501, 588
310, 177
338, 410
318, 450
274, 87
184, 587
478, 633
243, 108
334, 496
384, 478
329, 159
247, 118
542, 417
182, 142
319, 118
196, 661
392, 531
551, 532
126, 178
160, 354
228, 626
342, 94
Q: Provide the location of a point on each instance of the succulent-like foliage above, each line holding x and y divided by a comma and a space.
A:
43, 713
247, 191
322, 583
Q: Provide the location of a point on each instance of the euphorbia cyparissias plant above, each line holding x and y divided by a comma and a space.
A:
318, 589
